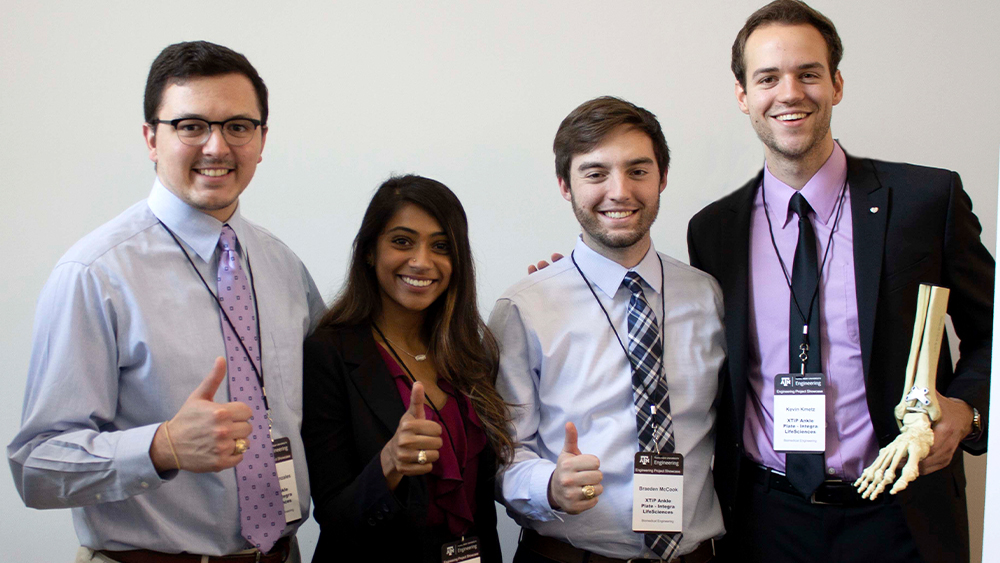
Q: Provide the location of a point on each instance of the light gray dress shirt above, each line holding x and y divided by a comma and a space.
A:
124, 332
561, 362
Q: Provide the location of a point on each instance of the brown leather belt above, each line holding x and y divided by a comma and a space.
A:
565, 553
278, 554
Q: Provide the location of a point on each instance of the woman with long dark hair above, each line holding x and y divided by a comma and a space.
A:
403, 428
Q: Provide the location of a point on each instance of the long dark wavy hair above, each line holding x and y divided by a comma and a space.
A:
463, 350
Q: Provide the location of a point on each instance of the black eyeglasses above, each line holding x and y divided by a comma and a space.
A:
193, 131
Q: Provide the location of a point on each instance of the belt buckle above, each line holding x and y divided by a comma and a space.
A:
257, 559
814, 500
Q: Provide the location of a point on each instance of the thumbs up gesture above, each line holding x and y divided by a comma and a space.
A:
203, 432
414, 447
575, 484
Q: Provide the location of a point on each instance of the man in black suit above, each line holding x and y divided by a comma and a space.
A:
819, 258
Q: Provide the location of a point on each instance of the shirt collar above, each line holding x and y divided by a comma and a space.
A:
607, 274
822, 191
198, 230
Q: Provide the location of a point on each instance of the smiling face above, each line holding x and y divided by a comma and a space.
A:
615, 192
790, 92
211, 177
412, 261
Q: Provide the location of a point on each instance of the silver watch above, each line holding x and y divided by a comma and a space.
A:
977, 426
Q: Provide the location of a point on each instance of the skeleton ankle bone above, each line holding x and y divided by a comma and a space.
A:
919, 322
919, 406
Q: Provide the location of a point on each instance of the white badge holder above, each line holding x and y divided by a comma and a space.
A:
286, 479
658, 492
800, 413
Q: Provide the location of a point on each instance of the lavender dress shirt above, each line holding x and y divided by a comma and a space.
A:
850, 438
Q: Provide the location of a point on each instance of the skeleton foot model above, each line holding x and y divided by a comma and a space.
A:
919, 407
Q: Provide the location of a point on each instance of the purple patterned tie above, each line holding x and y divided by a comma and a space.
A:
261, 511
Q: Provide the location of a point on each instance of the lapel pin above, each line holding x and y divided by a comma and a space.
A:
873, 209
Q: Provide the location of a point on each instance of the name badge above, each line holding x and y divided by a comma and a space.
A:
465, 550
286, 479
799, 412
658, 492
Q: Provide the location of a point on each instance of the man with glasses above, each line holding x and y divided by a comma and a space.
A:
126, 419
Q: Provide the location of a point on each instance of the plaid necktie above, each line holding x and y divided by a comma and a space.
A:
649, 391
262, 517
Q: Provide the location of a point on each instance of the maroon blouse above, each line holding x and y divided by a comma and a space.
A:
452, 481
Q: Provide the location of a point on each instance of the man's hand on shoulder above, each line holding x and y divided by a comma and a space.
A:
203, 432
575, 474
542, 264
953, 426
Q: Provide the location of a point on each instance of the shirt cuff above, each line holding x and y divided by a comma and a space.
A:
538, 490
134, 464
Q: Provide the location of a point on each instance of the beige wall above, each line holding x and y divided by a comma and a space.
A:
975, 473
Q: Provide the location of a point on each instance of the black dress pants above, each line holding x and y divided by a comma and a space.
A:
776, 526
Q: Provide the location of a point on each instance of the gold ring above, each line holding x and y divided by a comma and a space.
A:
422, 457
241, 446
588, 491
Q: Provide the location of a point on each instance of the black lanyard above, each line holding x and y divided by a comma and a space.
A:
628, 357
413, 380
253, 290
826, 254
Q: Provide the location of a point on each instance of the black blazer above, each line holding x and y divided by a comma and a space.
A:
351, 409
911, 225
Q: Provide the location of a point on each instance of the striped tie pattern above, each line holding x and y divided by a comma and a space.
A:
649, 390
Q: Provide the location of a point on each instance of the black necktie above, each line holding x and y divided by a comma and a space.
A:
804, 470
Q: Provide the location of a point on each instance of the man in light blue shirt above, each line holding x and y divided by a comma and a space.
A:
567, 362
126, 419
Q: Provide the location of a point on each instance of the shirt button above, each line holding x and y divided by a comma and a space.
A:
830, 470
98, 496
145, 485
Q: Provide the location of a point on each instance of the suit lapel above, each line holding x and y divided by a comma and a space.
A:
371, 377
735, 237
870, 212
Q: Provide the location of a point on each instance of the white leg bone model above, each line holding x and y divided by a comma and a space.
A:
919, 407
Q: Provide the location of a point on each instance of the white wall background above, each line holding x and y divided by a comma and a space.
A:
467, 93
991, 542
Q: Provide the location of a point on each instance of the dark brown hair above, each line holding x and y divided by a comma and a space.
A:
181, 61
586, 126
462, 348
787, 12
